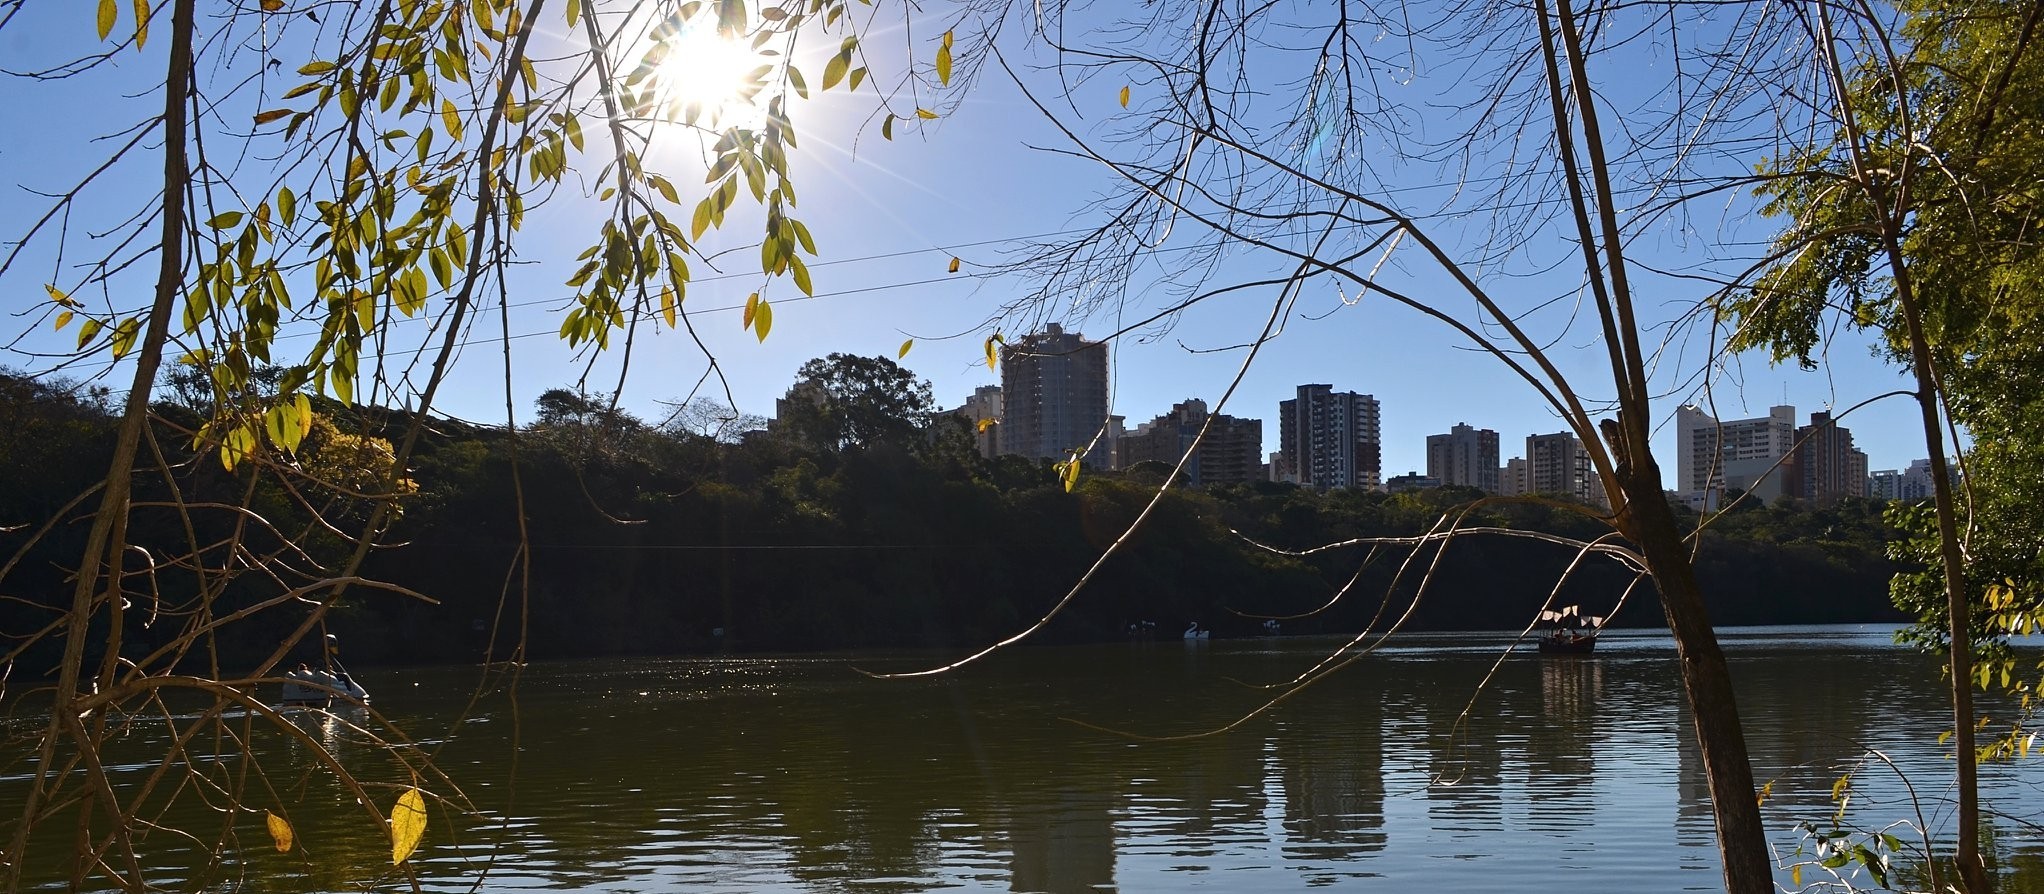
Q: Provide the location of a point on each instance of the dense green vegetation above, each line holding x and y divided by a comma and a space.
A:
889, 532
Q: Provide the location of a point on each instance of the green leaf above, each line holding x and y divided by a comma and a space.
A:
665, 188
87, 330
407, 825
124, 336
287, 205
450, 117
574, 12
224, 220
701, 220
234, 448
108, 12
763, 320
272, 115
800, 272
796, 81
574, 131
833, 72
887, 127
904, 349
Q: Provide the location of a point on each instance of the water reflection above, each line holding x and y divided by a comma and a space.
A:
797, 775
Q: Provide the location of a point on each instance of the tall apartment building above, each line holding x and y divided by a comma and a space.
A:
1558, 464
1512, 478
1054, 396
1712, 455
1329, 439
1230, 453
1826, 467
1464, 456
984, 406
1916, 482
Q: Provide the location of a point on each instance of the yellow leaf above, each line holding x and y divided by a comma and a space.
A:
273, 5
407, 825
751, 308
993, 359
1796, 875
141, 23
1069, 471
763, 320
987, 423
280, 831
897, 355
954, 266
64, 319
58, 296
450, 117
1124, 96
926, 114
667, 308
107, 13
1765, 791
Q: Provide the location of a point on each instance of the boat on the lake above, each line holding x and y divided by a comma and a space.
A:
1568, 631
307, 687
331, 687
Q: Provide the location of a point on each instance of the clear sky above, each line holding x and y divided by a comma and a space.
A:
887, 217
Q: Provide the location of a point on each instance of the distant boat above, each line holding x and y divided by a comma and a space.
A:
1193, 631
1568, 631
305, 687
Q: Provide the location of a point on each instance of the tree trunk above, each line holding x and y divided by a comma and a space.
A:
1707, 682
103, 547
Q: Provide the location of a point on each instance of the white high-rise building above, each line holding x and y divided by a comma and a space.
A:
1916, 482
1464, 456
1512, 478
983, 410
1742, 454
1559, 464
1054, 397
1329, 439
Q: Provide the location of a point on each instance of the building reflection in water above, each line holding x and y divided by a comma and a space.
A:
1333, 780
1063, 846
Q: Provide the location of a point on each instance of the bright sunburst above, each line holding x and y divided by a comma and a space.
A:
706, 78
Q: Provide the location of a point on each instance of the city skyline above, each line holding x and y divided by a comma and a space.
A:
1769, 456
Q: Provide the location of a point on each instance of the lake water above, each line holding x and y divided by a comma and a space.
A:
797, 774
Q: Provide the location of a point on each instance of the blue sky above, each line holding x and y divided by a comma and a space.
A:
887, 217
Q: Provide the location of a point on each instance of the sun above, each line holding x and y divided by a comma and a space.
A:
706, 78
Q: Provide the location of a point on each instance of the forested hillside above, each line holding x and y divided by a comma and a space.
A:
682, 537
